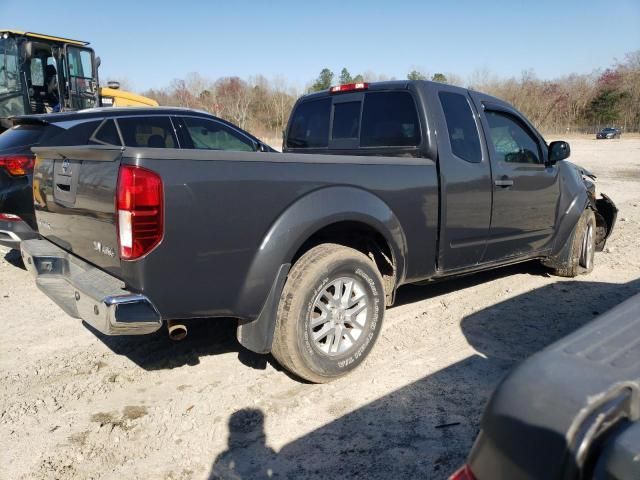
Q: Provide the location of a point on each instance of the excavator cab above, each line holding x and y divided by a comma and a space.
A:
44, 74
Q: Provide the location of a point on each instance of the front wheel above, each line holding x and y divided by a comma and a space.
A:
330, 313
582, 247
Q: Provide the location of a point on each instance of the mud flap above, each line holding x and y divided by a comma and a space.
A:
257, 335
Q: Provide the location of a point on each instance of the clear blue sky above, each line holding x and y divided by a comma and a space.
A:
151, 42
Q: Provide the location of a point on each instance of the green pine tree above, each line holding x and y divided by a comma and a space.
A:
416, 75
323, 81
439, 77
345, 77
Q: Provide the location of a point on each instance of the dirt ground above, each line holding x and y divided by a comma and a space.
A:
77, 405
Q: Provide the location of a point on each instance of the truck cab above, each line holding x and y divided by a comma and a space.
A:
500, 195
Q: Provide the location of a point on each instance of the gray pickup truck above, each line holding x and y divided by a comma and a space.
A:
379, 185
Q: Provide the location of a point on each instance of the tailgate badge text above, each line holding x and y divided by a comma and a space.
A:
103, 249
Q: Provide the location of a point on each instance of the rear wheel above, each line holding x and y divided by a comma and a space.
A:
582, 247
330, 313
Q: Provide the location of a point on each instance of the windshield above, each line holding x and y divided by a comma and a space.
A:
11, 101
9, 73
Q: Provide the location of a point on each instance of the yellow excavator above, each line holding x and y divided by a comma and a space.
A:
43, 74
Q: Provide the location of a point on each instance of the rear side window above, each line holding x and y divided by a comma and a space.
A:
107, 134
463, 133
209, 135
78, 134
20, 136
389, 119
310, 125
346, 120
151, 132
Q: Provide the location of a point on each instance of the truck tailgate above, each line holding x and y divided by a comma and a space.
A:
74, 197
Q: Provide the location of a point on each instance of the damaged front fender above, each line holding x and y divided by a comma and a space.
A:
605, 210
606, 214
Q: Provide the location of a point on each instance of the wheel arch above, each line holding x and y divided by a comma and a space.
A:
327, 213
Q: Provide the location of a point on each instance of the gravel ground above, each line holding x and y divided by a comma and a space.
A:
79, 405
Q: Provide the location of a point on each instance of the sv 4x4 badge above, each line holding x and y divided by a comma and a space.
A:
104, 249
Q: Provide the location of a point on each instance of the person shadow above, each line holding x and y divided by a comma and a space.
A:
247, 456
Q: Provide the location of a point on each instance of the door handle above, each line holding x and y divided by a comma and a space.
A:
504, 182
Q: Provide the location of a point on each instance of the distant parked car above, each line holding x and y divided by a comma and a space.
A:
609, 132
571, 411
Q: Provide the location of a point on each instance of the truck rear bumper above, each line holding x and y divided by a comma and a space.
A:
85, 292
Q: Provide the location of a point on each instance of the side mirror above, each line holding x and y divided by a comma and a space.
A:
98, 62
558, 151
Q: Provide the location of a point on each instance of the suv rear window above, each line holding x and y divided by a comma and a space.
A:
151, 132
389, 119
107, 134
20, 136
206, 134
310, 125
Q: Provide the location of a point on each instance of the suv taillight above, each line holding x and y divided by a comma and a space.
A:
17, 165
139, 205
464, 473
9, 217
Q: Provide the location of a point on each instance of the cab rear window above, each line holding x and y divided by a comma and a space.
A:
389, 119
382, 119
310, 125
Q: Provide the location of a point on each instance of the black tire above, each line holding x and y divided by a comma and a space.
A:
313, 282
582, 247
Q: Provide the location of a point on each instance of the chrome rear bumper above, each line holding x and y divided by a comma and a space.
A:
86, 292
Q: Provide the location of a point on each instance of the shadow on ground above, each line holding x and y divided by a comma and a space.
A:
423, 430
206, 337
417, 292
216, 336
14, 258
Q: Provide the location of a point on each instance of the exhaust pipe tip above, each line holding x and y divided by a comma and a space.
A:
177, 331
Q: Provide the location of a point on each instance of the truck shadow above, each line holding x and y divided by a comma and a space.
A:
416, 292
425, 429
14, 258
216, 336
206, 337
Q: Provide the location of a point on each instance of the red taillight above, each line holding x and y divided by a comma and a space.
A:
139, 202
349, 87
464, 473
9, 217
17, 165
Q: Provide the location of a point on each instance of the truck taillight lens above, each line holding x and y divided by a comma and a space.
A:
464, 473
17, 165
139, 205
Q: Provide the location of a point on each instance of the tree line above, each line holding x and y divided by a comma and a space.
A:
572, 103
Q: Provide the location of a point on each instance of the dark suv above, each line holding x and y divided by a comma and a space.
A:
17, 218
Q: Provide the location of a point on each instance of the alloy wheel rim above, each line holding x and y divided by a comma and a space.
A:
587, 248
339, 316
